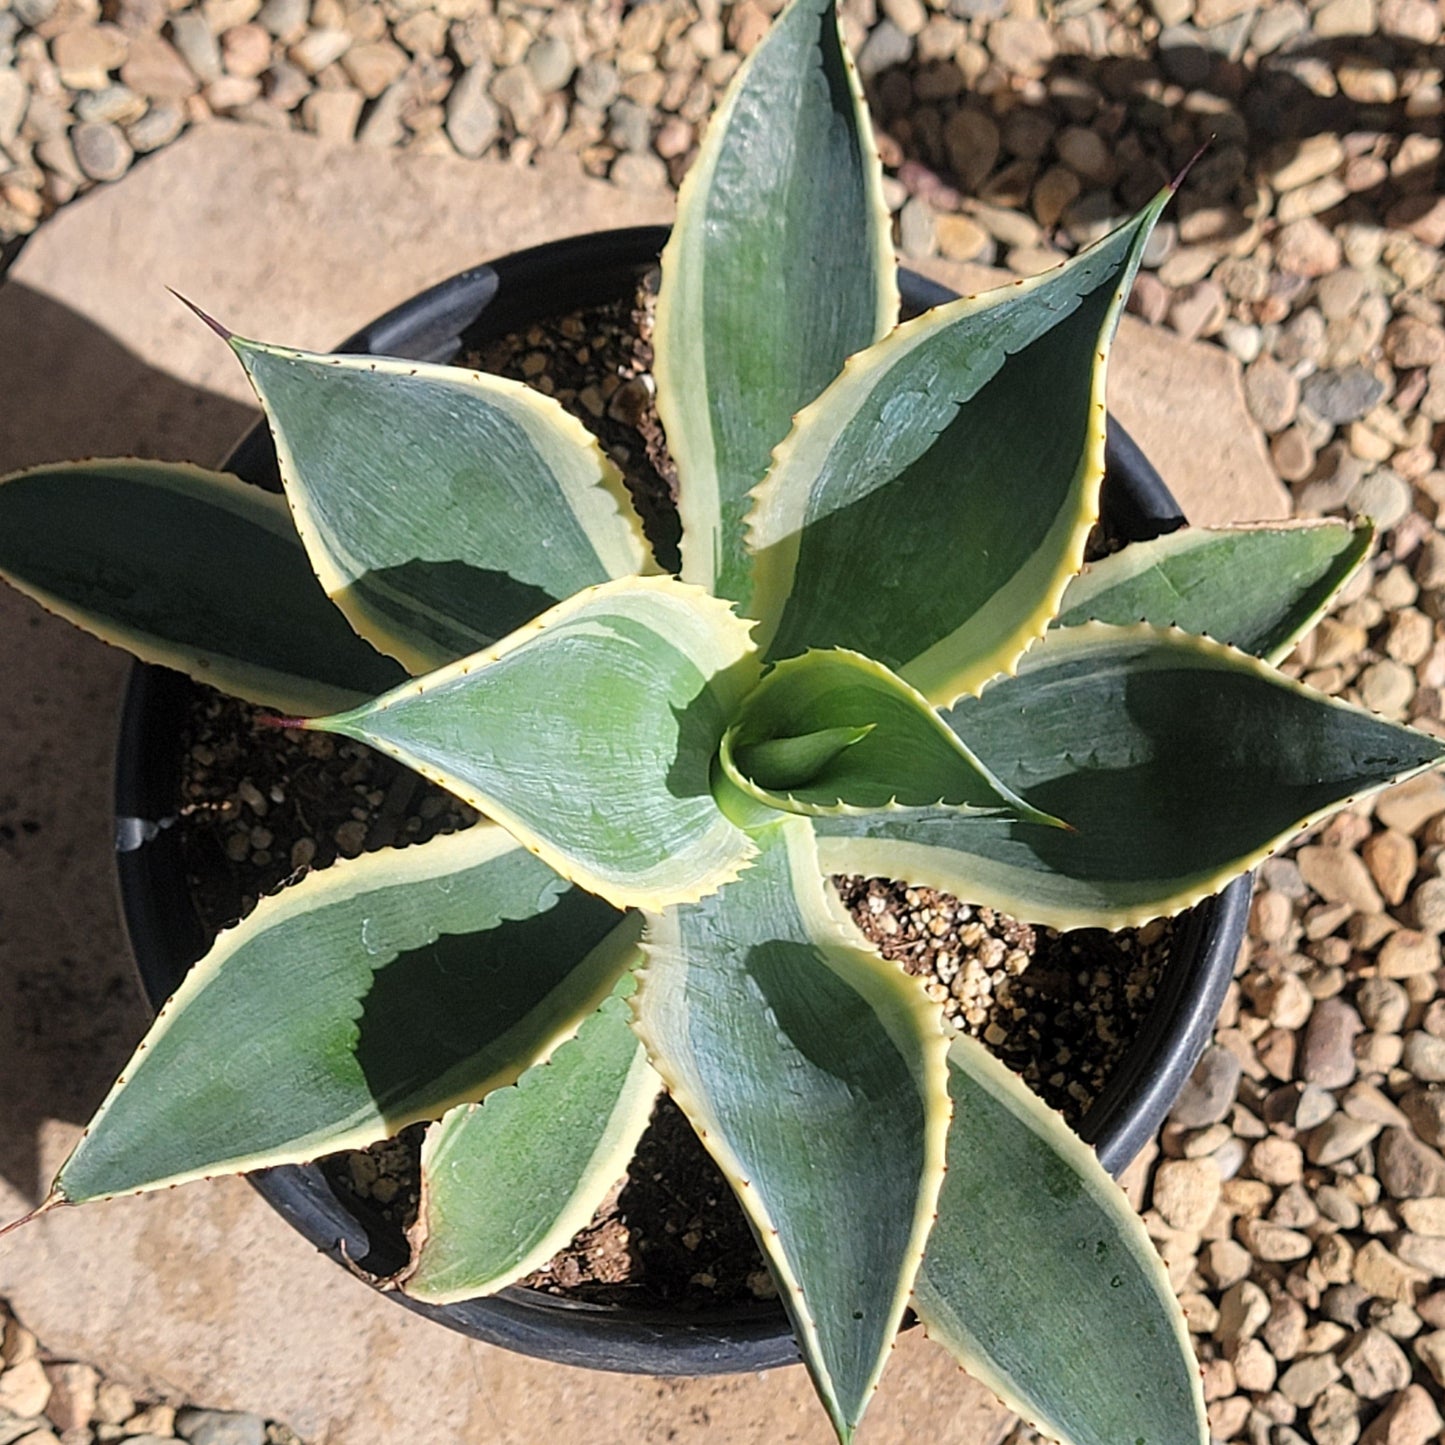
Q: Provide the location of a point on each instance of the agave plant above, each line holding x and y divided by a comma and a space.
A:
881, 658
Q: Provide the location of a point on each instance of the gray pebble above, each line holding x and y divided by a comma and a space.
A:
101, 150
197, 44
116, 103
220, 1427
1384, 496
1272, 394
13, 98
917, 233
1210, 1091
34, 12
631, 128
1428, 905
1383, 1004
1327, 1056
1338, 1138
597, 85
1425, 1057
1342, 396
160, 125
551, 62
1407, 1168
285, 19
639, 171
886, 48
1278, 23
382, 126
1374, 1364
516, 92
473, 120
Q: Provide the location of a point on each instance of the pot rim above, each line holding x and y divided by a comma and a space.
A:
166, 937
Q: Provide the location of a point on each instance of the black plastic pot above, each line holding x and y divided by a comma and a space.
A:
167, 936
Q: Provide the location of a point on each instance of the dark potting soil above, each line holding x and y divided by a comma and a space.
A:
261, 807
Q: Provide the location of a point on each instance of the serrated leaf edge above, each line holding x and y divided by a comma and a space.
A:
874, 857
1142, 555
740, 660
284, 691
1026, 1106
473, 846
625, 1126
929, 1067
773, 533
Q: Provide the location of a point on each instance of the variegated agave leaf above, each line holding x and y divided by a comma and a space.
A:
969, 442
779, 268
508, 1182
442, 509
190, 569
1178, 764
1030, 1227
814, 1073
1258, 588
411, 1000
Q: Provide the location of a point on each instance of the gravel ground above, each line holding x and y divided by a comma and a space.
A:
1298, 1194
44, 1401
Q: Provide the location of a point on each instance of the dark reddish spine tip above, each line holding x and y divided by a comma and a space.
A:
270, 720
51, 1201
1190, 164
221, 331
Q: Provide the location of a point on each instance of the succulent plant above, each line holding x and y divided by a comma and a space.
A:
882, 657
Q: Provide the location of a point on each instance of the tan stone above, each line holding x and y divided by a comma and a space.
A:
1424, 1216
203, 1292
1339, 876
1186, 1192
1379, 1272
1411, 1418
24, 1389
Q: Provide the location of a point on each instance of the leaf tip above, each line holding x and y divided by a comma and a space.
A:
223, 332
1190, 164
272, 720
53, 1200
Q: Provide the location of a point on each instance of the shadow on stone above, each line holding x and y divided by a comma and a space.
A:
71, 390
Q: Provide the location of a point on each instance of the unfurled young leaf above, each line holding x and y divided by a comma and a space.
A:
443, 509
835, 732
590, 734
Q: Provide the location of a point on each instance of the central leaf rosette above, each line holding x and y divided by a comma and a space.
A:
627, 738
